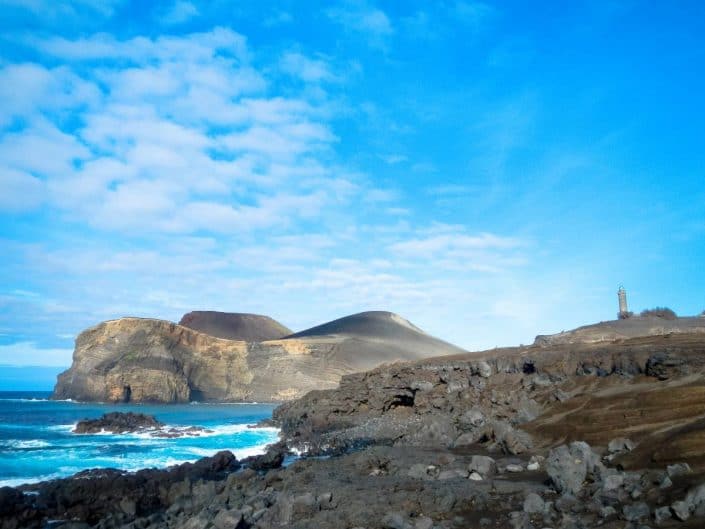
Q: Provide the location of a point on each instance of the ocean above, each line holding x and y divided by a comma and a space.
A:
36, 442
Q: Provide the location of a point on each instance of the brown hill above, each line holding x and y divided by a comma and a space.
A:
367, 339
635, 327
235, 326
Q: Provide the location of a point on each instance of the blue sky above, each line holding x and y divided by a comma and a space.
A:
490, 171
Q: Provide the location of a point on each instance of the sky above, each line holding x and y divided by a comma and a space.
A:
490, 171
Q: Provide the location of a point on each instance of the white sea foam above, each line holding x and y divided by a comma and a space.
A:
16, 482
300, 451
151, 462
36, 400
65, 471
240, 453
256, 450
61, 453
200, 452
197, 403
19, 444
62, 427
185, 431
231, 429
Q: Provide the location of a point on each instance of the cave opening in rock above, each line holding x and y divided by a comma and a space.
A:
401, 401
126, 394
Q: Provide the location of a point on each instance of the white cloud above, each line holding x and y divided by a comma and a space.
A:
393, 159
307, 69
359, 17
181, 11
56, 9
173, 134
143, 50
455, 241
458, 251
41, 150
28, 89
30, 354
188, 177
20, 190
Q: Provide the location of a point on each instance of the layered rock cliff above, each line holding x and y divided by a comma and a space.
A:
147, 360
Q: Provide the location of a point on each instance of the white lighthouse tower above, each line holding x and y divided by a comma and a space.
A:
623, 308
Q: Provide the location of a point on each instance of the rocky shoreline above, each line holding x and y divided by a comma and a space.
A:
120, 422
496, 439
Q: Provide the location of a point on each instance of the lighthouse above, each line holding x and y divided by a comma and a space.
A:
623, 308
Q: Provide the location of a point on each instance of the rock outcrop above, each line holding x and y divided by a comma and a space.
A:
118, 422
517, 399
92, 495
235, 326
585, 435
634, 327
147, 360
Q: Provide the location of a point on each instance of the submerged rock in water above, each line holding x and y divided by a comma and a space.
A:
128, 422
119, 422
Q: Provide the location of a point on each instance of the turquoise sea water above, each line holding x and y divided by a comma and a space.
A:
36, 442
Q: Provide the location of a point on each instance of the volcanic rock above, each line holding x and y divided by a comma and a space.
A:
388, 435
235, 326
92, 495
370, 338
118, 422
144, 360
636, 327
483, 465
620, 444
533, 503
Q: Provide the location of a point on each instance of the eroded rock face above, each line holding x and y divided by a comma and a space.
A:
144, 360
147, 360
521, 398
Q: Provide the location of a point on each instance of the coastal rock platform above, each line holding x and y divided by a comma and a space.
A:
570, 436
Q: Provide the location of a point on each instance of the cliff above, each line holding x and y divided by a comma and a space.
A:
147, 360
